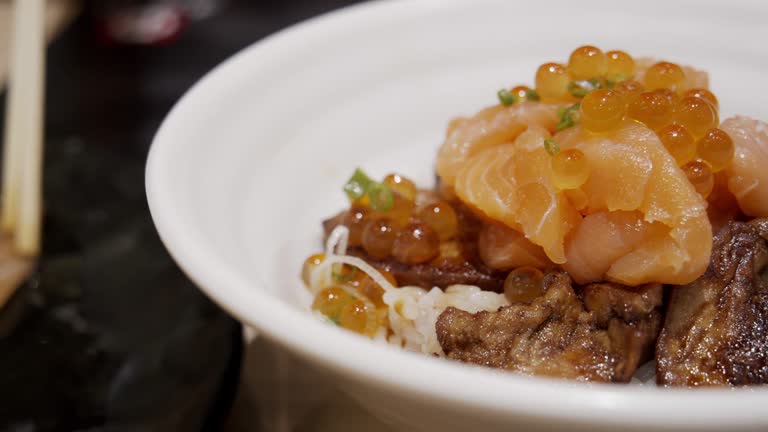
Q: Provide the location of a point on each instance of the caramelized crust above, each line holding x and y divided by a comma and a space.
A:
602, 335
716, 329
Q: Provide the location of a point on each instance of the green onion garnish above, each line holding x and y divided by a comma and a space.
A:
532, 95
551, 146
568, 116
382, 198
357, 185
506, 98
360, 185
580, 88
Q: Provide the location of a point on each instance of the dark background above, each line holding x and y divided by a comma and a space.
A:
108, 334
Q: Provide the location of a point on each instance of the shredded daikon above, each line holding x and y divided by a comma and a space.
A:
412, 311
356, 262
335, 250
337, 241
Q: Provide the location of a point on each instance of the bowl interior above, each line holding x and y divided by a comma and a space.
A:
254, 157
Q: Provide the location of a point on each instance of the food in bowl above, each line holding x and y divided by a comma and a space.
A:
560, 219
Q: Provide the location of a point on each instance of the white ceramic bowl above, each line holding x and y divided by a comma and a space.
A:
253, 157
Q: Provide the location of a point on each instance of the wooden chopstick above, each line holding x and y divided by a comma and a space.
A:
12, 156
22, 160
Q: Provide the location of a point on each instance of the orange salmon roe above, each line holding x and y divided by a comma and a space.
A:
620, 66
602, 110
570, 169
441, 217
664, 75
704, 94
652, 108
587, 62
401, 185
629, 90
696, 114
701, 177
524, 284
679, 141
716, 147
552, 82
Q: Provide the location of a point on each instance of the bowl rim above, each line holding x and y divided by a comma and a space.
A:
482, 390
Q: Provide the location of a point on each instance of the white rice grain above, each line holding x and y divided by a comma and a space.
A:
413, 312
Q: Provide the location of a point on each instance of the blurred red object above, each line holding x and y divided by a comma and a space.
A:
149, 22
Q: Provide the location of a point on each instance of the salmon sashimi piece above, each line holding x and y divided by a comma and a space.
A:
748, 172
603, 238
490, 127
636, 220
502, 248
511, 184
631, 170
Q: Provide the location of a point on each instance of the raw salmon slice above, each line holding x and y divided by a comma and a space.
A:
636, 220
748, 172
490, 127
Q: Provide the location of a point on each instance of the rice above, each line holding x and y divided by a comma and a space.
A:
413, 312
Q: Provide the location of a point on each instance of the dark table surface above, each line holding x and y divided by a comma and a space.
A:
109, 334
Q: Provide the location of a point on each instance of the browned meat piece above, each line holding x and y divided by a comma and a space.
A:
603, 337
762, 226
716, 330
467, 269
441, 273
610, 300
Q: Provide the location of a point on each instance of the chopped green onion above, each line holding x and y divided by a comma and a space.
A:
342, 277
580, 88
360, 185
382, 198
357, 185
532, 95
568, 116
506, 98
551, 146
